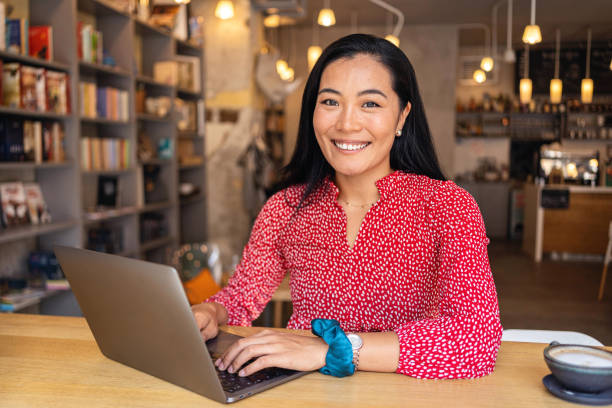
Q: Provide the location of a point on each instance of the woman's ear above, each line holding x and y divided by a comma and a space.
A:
404, 115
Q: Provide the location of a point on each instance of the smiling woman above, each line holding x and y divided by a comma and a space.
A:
388, 261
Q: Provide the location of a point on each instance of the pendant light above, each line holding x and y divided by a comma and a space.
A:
556, 85
394, 36
314, 51
586, 88
224, 9
327, 18
532, 34
390, 37
480, 76
271, 21
509, 54
525, 86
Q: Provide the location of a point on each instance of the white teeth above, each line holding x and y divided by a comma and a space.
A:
346, 146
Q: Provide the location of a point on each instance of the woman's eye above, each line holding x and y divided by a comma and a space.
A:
371, 105
329, 102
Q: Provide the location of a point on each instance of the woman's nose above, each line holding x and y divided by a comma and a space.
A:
348, 120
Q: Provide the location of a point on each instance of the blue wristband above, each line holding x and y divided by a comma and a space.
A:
339, 358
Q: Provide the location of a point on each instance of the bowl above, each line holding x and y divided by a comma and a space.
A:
580, 368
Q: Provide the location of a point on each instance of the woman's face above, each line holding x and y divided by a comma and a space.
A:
357, 115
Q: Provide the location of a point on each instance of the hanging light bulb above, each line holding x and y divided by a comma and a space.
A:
556, 85
327, 17
480, 76
525, 86
314, 52
281, 67
509, 54
532, 34
272, 21
487, 64
392, 39
224, 9
288, 74
586, 87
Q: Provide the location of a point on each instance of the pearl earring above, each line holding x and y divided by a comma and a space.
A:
398, 133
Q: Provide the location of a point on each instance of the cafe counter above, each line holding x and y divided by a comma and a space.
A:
566, 219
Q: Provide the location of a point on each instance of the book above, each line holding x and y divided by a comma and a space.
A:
57, 143
38, 142
16, 35
37, 208
188, 73
41, 42
57, 90
28, 140
14, 140
79, 35
108, 190
166, 72
28, 90
2, 26
164, 16
14, 208
11, 89
86, 31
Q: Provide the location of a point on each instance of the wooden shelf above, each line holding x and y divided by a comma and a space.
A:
153, 118
156, 243
188, 94
37, 62
5, 110
193, 199
150, 81
108, 172
191, 166
96, 216
156, 206
104, 121
101, 8
188, 134
28, 231
183, 47
90, 67
146, 28
156, 162
31, 165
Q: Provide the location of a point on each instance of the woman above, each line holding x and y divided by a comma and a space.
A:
371, 234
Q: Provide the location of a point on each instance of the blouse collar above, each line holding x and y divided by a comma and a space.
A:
386, 185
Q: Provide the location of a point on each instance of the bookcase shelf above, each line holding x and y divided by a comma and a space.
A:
93, 68
104, 121
6, 110
36, 62
156, 243
191, 166
69, 190
28, 231
32, 165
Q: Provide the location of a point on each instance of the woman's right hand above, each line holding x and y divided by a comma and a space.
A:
208, 317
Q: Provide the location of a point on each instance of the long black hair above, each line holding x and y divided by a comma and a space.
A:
413, 152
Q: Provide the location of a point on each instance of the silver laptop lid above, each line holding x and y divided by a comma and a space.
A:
139, 315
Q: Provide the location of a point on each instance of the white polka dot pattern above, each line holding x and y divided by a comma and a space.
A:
419, 267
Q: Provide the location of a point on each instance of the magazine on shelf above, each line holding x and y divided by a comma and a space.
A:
11, 89
2, 26
17, 35
188, 73
37, 208
57, 88
41, 42
14, 207
12, 139
33, 88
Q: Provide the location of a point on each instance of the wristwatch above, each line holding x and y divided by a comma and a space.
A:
356, 344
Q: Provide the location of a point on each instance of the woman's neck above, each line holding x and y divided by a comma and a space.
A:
360, 189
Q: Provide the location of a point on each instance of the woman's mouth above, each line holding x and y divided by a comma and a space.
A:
350, 146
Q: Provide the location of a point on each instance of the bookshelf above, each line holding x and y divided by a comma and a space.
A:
69, 189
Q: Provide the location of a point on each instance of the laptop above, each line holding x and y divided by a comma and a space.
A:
139, 315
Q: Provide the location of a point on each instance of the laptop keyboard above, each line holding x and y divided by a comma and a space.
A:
232, 382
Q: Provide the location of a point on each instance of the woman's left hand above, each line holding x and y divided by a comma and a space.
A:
274, 349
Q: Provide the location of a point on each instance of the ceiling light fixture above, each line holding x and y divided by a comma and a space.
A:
586, 87
509, 54
532, 34
271, 21
314, 51
556, 85
480, 76
327, 18
224, 9
525, 86
394, 36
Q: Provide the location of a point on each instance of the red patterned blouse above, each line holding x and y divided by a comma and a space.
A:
419, 267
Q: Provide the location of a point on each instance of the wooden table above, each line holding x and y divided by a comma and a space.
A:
49, 361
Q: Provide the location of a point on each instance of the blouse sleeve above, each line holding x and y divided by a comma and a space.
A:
461, 339
260, 270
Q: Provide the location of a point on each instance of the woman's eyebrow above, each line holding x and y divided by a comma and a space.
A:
372, 91
330, 90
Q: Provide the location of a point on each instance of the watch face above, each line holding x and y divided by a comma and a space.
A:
355, 340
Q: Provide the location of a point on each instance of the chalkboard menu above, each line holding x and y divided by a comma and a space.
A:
572, 68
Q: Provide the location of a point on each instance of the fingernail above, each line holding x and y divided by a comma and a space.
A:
230, 369
241, 373
217, 362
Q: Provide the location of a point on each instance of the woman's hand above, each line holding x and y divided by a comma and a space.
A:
208, 317
274, 349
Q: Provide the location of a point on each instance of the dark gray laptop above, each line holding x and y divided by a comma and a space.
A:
139, 315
